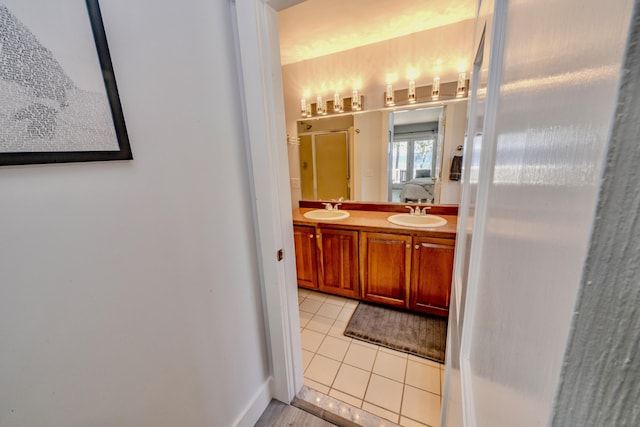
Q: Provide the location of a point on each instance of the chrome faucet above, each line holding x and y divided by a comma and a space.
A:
330, 207
424, 210
335, 205
417, 211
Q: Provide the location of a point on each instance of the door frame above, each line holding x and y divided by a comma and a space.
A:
258, 59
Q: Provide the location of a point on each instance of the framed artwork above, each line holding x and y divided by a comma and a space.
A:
58, 96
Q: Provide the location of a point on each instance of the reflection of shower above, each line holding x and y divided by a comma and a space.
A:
324, 165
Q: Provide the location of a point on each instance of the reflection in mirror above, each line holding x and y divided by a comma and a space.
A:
324, 165
401, 155
413, 155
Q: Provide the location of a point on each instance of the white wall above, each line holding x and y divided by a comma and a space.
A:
548, 118
370, 161
455, 125
130, 291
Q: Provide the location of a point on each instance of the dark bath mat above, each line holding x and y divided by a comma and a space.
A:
420, 334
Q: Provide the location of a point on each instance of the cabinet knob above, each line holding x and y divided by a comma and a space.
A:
417, 246
317, 236
311, 236
408, 246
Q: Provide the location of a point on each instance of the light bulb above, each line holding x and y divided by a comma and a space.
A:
355, 100
435, 89
412, 92
337, 103
388, 98
320, 106
462, 84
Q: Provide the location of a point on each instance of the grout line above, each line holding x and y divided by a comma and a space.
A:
370, 375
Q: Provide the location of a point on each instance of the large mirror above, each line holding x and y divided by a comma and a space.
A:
380, 50
404, 154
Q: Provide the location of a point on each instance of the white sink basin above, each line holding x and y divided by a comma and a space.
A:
326, 215
409, 220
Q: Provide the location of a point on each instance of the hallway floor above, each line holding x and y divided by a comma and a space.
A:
402, 388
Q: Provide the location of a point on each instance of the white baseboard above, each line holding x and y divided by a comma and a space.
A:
256, 406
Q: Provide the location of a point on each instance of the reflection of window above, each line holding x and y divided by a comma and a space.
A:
412, 157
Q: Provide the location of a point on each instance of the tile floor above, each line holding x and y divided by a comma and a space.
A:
402, 388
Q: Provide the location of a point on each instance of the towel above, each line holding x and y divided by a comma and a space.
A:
456, 168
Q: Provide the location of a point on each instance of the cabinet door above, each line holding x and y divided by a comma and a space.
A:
432, 267
338, 262
386, 262
306, 264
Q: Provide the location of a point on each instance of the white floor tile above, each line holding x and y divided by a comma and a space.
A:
360, 356
333, 348
424, 377
320, 324
322, 370
367, 344
406, 422
336, 300
345, 398
345, 314
337, 330
310, 305
306, 358
302, 294
318, 296
382, 413
329, 310
311, 340
316, 386
304, 318
352, 380
390, 366
394, 352
351, 303
425, 361
421, 406
384, 392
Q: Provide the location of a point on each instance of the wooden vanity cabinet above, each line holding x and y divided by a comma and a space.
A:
304, 240
327, 259
385, 267
338, 261
431, 271
408, 269
407, 272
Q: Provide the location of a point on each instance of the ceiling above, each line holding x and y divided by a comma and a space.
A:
316, 28
420, 115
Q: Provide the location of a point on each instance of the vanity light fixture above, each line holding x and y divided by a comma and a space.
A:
462, 85
412, 92
337, 103
355, 100
435, 89
388, 95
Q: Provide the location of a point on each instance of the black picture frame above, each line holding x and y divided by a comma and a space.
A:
124, 149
